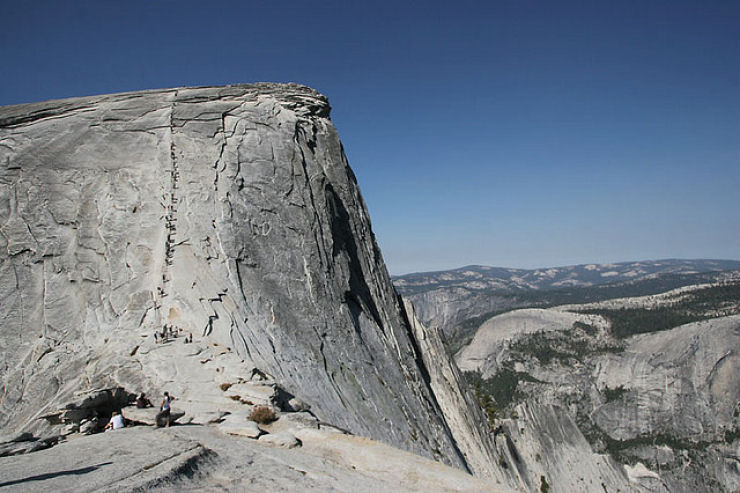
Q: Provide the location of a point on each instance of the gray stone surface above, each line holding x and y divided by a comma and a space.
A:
198, 458
228, 212
293, 421
148, 416
464, 417
544, 441
493, 337
514, 454
665, 401
239, 425
283, 439
252, 394
681, 382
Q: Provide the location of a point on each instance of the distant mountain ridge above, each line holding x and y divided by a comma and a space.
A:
479, 277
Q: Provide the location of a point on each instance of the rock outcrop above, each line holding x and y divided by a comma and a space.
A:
199, 458
228, 212
490, 341
464, 417
666, 404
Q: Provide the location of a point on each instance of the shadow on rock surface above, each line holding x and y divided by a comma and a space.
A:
50, 475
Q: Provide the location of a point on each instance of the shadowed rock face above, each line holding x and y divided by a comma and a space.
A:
230, 212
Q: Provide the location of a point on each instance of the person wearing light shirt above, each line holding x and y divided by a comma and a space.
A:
116, 421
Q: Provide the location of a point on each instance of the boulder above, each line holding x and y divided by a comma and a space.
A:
70, 429
144, 416
297, 405
28, 446
253, 394
239, 425
115, 397
88, 426
23, 437
293, 422
283, 439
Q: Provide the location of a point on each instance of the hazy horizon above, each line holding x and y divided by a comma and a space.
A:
542, 267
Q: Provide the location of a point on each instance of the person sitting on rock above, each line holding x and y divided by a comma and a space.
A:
116, 421
164, 410
142, 401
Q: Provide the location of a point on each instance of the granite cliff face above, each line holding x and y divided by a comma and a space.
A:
232, 214
229, 212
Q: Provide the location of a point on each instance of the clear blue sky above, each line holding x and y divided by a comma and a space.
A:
511, 133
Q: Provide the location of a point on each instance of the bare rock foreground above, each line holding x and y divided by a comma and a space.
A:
198, 458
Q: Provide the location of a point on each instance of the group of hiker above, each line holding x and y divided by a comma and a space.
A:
163, 416
170, 332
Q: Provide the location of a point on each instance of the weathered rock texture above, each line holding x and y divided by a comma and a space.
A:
229, 212
484, 352
464, 417
666, 404
199, 458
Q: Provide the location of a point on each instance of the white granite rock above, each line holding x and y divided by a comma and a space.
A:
226, 212
198, 458
669, 399
253, 394
238, 424
297, 405
283, 439
147, 416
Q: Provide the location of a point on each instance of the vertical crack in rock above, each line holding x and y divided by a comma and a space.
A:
317, 225
19, 290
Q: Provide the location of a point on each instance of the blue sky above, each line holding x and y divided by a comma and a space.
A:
511, 133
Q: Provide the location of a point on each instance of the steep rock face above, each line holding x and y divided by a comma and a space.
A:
465, 418
447, 307
666, 404
542, 445
230, 212
681, 382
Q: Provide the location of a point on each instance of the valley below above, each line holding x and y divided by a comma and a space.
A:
648, 378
